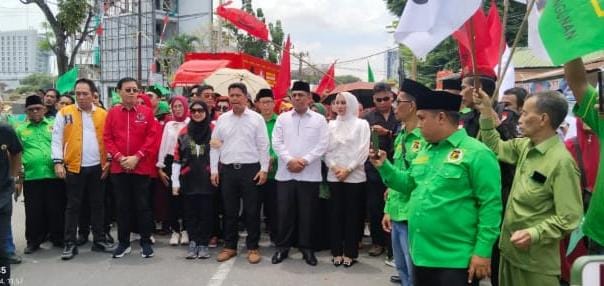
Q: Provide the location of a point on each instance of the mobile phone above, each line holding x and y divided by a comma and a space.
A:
375, 143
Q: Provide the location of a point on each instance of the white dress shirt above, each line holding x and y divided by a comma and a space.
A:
168, 140
91, 156
300, 136
244, 140
350, 151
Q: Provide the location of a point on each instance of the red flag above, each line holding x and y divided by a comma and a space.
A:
284, 76
99, 30
244, 21
328, 82
487, 35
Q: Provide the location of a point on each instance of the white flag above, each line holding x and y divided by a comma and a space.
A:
426, 23
509, 80
534, 39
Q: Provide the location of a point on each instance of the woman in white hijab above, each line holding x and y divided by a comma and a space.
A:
348, 149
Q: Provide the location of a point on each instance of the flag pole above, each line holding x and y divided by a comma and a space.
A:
600, 93
502, 43
529, 8
473, 55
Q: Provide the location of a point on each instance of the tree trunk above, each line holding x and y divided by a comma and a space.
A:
61, 54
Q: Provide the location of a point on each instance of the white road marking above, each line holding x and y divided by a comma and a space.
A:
222, 272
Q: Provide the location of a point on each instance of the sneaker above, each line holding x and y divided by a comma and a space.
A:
14, 259
175, 238
121, 250
376, 250
203, 252
69, 252
390, 262
213, 242
147, 251
193, 252
184, 238
102, 246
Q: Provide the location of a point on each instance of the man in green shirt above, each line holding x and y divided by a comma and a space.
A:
455, 205
545, 199
587, 97
265, 104
407, 144
44, 192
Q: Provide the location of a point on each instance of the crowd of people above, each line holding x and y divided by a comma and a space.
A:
454, 187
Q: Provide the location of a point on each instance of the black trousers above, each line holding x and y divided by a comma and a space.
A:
429, 276
345, 216
374, 191
175, 213
269, 206
132, 190
199, 217
44, 210
6, 211
85, 186
109, 210
236, 182
296, 207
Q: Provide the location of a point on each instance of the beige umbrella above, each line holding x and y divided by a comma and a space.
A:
222, 78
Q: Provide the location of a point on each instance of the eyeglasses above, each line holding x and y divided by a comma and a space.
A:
382, 99
265, 101
197, 110
131, 90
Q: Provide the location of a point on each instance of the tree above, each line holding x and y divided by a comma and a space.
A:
71, 24
173, 51
35, 81
341, 79
445, 55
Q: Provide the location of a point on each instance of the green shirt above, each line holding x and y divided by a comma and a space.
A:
594, 218
455, 204
270, 124
36, 140
396, 202
545, 198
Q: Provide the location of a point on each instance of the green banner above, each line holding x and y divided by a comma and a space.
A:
370, 76
66, 82
570, 29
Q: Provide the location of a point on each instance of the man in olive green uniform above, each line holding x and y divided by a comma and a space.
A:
455, 205
407, 144
44, 193
587, 97
545, 199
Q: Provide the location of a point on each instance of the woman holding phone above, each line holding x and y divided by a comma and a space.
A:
348, 149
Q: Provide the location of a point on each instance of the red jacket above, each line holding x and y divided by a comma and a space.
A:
131, 132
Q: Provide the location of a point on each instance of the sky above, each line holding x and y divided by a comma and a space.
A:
327, 29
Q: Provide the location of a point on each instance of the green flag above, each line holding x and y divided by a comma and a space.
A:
115, 98
66, 82
370, 77
570, 29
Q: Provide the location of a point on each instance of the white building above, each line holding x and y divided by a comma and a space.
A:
119, 42
20, 56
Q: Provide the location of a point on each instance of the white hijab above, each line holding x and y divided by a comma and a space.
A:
344, 124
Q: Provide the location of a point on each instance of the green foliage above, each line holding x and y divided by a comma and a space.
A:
445, 55
46, 44
173, 51
72, 14
34, 82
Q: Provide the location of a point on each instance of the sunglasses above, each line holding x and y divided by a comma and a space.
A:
197, 110
382, 99
131, 90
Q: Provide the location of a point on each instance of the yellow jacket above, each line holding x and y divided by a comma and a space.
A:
67, 136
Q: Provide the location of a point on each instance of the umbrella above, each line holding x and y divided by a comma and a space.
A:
362, 90
195, 71
222, 78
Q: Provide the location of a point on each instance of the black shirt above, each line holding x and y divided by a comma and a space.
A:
195, 166
386, 141
9, 144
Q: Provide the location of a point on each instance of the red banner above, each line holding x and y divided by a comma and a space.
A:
244, 21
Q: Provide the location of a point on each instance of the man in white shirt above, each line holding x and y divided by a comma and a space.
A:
79, 157
300, 138
240, 164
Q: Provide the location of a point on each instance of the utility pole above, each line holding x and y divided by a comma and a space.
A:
139, 56
218, 46
300, 57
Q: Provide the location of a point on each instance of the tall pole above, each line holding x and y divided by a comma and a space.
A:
139, 56
219, 44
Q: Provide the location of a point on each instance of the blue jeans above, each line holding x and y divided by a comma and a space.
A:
10, 245
400, 248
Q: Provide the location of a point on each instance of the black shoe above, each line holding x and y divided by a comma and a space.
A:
81, 240
395, 279
309, 257
279, 256
102, 246
14, 259
69, 251
30, 248
121, 250
109, 238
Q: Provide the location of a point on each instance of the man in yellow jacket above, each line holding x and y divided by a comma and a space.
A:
79, 157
